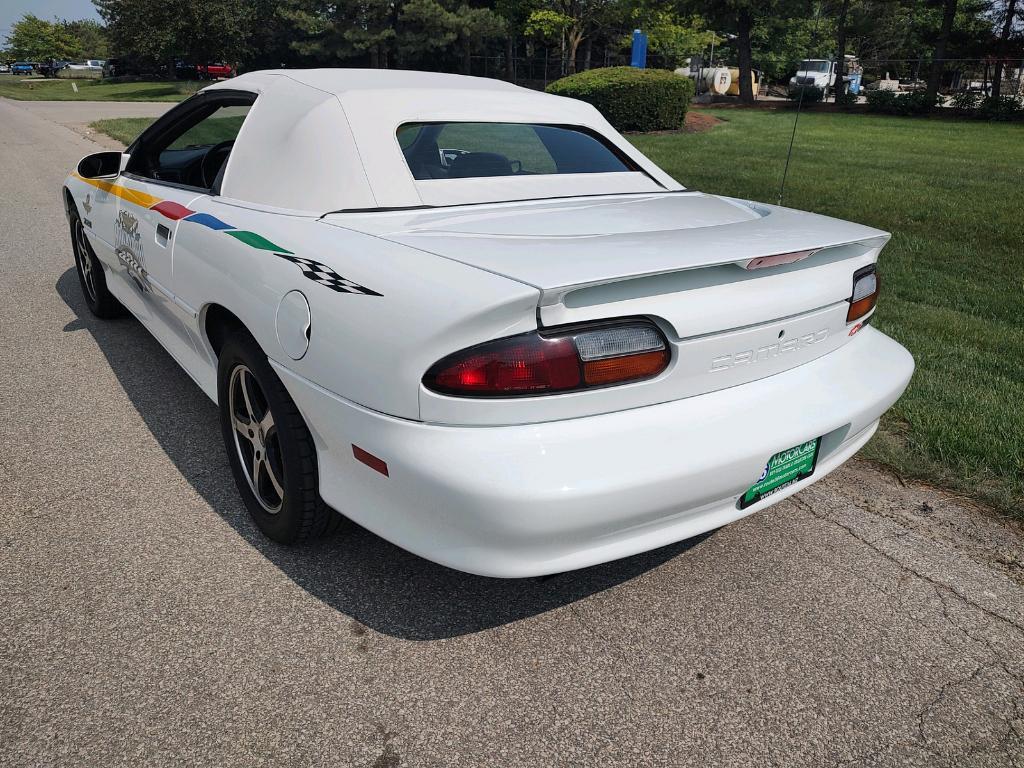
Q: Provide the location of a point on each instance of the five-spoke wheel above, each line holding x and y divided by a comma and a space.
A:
256, 439
90, 272
83, 259
271, 451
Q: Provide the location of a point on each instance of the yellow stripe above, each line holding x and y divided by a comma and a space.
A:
133, 196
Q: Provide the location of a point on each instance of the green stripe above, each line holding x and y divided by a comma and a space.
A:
256, 241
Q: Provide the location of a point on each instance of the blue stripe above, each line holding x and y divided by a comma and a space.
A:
208, 221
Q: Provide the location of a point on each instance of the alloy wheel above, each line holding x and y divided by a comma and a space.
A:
256, 439
85, 263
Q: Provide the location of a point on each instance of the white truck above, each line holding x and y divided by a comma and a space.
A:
820, 75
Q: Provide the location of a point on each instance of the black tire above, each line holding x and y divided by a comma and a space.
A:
91, 278
289, 461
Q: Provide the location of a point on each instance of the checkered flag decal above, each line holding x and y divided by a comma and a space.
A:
321, 273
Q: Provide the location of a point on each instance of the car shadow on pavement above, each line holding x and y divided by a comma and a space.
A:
355, 571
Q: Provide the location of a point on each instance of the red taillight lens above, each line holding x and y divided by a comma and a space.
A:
517, 365
535, 364
866, 285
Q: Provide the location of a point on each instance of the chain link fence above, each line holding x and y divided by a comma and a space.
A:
543, 66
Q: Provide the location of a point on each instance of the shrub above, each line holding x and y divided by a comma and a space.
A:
892, 103
1000, 108
966, 101
882, 101
812, 94
631, 99
846, 98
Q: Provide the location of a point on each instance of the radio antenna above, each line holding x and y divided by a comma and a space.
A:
792, 138
799, 107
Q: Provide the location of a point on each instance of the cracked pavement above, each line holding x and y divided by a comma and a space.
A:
864, 622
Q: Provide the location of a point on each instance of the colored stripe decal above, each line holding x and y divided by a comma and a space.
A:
140, 199
208, 221
171, 210
256, 241
314, 270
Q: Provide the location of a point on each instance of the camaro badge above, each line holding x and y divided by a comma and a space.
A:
768, 352
128, 248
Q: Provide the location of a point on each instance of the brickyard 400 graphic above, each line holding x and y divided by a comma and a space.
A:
128, 243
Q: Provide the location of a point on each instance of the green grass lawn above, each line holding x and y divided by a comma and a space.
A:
953, 274
95, 90
124, 129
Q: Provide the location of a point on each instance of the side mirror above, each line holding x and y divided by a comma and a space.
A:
99, 165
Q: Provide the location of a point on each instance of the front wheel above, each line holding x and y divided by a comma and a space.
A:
100, 300
270, 449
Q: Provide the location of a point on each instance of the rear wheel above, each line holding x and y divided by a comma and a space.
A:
272, 455
101, 301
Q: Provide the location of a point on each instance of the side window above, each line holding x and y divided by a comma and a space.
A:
193, 151
223, 125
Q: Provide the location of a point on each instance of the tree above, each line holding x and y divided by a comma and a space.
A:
568, 21
199, 31
739, 17
780, 41
90, 36
744, 22
330, 32
473, 28
939, 55
1009, 19
515, 13
671, 36
427, 28
35, 39
840, 87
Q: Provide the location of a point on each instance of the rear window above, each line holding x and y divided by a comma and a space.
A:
474, 150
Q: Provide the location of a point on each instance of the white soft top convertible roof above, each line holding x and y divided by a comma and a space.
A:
322, 140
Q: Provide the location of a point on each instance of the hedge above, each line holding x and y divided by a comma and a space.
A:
631, 99
892, 103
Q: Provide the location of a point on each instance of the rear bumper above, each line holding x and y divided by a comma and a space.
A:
529, 500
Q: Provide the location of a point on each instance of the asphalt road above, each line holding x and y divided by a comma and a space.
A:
143, 620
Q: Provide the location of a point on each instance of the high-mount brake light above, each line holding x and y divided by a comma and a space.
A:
562, 360
866, 285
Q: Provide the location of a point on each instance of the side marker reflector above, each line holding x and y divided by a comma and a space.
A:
370, 460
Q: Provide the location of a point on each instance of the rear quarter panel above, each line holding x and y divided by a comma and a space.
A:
369, 349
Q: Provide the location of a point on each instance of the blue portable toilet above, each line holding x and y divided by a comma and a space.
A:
639, 59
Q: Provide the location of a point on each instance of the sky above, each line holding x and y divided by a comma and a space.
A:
12, 10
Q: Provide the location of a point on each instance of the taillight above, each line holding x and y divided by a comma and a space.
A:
562, 360
866, 285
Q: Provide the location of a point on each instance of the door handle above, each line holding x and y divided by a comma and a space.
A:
163, 235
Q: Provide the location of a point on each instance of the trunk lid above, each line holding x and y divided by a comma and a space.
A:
677, 258
585, 241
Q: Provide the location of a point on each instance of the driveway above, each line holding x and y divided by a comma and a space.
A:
77, 115
145, 621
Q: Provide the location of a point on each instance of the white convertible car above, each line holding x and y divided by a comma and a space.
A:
477, 321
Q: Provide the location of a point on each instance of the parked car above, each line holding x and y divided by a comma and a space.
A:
89, 65
5, 69
215, 71
22, 68
185, 71
478, 321
51, 68
133, 67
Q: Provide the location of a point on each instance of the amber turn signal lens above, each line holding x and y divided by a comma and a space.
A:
619, 370
860, 308
866, 286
